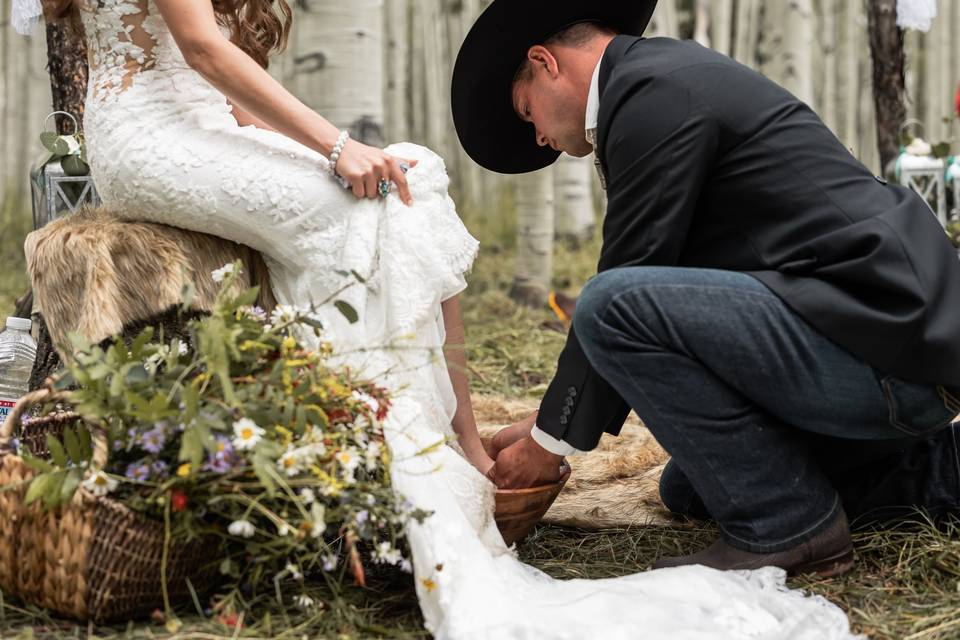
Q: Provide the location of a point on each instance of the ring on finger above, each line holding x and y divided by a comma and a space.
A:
383, 187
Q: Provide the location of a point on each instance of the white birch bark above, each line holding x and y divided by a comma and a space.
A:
748, 31
665, 21
852, 79
535, 216
827, 100
339, 64
701, 22
575, 220
397, 70
722, 25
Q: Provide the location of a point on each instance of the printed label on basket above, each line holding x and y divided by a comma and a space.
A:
6, 406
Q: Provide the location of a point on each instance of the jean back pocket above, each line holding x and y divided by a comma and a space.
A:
916, 409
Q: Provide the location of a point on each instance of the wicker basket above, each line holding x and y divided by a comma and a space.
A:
93, 559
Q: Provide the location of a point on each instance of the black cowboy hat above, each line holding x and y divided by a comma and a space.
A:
490, 130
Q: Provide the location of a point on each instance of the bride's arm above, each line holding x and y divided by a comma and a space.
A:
464, 422
243, 118
246, 84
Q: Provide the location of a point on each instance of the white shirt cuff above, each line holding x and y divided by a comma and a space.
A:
551, 444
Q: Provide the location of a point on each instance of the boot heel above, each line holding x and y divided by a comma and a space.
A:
828, 567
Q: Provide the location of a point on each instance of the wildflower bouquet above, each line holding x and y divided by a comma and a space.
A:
243, 435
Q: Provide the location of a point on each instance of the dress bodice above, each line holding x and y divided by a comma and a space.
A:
130, 45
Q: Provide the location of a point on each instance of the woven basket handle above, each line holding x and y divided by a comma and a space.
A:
38, 397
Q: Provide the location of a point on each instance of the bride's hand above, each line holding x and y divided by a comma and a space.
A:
364, 166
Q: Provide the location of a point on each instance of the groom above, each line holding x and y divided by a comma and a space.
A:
786, 323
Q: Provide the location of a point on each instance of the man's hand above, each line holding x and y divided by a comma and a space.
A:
525, 464
509, 435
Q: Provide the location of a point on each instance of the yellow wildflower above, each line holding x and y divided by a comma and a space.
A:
183, 470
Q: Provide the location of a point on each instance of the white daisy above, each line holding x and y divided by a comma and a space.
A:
218, 275
241, 528
283, 529
291, 462
100, 484
305, 602
246, 433
294, 571
284, 313
386, 553
307, 496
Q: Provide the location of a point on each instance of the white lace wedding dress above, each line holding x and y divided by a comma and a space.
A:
162, 143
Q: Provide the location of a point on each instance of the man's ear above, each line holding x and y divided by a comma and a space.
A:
540, 57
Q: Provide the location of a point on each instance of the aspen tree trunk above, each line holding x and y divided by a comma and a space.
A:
339, 64
886, 48
722, 25
535, 214
437, 89
748, 32
397, 67
665, 21
852, 78
573, 199
701, 22
798, 45
828, 64
945, 82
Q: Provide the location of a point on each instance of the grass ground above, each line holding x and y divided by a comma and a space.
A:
15, 223
906, 584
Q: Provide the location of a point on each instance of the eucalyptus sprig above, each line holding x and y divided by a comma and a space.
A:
69, 149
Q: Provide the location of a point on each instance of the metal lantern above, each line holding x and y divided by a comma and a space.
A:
926, 176
55, 190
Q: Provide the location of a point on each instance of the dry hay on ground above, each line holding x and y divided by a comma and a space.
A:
614, 486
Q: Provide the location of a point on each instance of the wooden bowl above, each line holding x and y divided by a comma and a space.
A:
518, 511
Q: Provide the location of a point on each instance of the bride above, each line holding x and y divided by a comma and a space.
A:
184, 125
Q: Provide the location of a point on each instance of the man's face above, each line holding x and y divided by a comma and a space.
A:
546, 98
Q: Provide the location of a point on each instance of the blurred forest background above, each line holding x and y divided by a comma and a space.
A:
383, 67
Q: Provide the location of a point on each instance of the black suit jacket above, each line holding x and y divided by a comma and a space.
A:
710, 164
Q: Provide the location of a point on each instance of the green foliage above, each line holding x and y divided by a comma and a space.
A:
242, 433
953, 231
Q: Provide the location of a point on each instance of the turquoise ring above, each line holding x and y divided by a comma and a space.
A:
383, 188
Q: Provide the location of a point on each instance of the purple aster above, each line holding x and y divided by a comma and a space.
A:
138, 471
153, 440
222, 458
160, 469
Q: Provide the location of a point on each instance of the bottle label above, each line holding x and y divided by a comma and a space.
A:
6, 406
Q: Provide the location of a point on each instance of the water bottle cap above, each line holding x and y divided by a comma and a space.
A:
23, 324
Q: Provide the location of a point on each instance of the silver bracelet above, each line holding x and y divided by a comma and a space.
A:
337, 150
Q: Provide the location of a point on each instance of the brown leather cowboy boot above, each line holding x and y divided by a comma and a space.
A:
827, 554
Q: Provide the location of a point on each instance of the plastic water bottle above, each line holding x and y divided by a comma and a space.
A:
17, 353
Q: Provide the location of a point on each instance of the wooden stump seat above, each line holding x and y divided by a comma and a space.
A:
99, 275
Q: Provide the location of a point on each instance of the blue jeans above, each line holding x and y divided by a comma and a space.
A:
762, 415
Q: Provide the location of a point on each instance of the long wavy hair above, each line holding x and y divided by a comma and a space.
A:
258, 27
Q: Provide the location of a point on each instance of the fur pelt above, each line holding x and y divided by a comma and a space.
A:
616, 485
94, 272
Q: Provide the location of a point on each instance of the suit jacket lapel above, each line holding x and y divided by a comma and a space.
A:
612, 56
